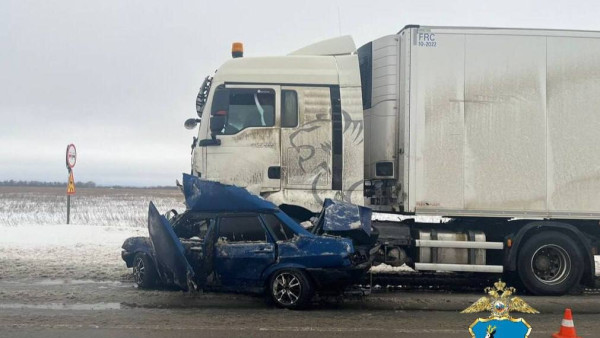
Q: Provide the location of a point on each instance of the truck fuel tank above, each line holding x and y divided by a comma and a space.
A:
451, 255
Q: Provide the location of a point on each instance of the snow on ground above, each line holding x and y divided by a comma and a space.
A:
79, 252
83, 252
384, 268
379, 216
36, 244
98, 206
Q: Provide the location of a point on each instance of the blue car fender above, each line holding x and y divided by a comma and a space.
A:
134, 245
283, 266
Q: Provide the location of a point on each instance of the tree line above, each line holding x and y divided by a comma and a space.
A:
13, 183
78, 184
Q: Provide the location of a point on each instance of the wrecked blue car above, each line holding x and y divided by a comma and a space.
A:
231, 240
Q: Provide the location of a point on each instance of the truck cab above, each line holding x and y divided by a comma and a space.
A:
289, 128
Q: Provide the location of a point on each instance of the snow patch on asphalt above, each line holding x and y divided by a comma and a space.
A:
52, 282
71, 253
41, 236
384, 268
399, 218
63, 306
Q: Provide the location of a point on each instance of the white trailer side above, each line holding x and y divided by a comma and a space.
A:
491, 122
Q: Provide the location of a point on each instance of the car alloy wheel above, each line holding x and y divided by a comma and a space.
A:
139, 270
144, 273
287, 289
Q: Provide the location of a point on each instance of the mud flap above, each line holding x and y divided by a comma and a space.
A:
169, 252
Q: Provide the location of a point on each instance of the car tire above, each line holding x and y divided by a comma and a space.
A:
550, 263
290, 289
144, 273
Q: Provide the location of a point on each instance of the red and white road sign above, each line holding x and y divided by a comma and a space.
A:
71, 156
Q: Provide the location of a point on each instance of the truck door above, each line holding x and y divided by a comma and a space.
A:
249, 151
306, 140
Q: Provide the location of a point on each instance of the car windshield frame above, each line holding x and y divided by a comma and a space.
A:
268, 236
263, 217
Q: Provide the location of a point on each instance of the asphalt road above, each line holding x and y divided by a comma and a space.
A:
261, 323
88, 309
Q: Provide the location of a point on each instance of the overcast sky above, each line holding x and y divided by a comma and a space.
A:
119, 78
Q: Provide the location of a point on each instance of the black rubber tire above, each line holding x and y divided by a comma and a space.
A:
562, 248
144, 272
304, 293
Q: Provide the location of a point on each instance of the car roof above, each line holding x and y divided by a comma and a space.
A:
214, 197
208, 214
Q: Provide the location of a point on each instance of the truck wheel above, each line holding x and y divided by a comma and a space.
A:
290, 289
550, 264
144, 273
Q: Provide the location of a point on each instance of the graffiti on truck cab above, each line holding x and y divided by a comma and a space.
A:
352, 130
357, 127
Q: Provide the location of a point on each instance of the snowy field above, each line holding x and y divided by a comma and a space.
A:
99, 206
53, 251
35, 244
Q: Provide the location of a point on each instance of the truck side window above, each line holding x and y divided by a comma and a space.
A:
242, 229
245, 108
281, 231
289, 109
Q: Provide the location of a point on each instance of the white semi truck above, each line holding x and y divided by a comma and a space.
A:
496, 129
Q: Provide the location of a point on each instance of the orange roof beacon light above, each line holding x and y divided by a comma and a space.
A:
237, 50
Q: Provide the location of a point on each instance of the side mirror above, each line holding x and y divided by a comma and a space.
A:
190, 124
217, 123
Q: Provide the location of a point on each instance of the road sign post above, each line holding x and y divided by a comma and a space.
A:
71, 159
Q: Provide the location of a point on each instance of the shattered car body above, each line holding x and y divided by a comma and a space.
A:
231, 240
348, 220
351, 221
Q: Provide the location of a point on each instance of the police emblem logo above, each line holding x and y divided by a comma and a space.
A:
500, 302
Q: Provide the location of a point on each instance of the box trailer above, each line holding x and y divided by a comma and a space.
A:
484, 122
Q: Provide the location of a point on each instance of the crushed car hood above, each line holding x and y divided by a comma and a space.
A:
169, 253
342, 216
346, 220
209, 196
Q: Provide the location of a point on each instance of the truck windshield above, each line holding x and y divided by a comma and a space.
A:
244, 108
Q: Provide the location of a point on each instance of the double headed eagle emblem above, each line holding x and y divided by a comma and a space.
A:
499, 302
